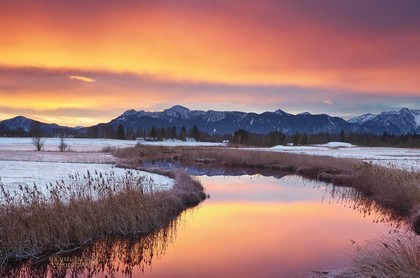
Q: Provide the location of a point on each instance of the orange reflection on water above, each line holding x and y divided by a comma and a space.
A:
252, 226
260, 239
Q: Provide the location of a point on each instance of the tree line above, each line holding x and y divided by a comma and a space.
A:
275, 138
240, 136
153, 133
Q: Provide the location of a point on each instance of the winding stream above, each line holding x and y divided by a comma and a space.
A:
251, 226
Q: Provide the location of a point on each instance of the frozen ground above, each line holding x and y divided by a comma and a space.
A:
54, 156
75, 144
21, 164
406, 159
42, 173
86, 144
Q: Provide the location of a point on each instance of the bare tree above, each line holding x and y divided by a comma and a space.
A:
38, 142
62, 146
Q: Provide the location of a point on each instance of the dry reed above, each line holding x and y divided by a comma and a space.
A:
34, 223
396, 257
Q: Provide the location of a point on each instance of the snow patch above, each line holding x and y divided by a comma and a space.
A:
15, 173
417, 120
75, 144
337, 145
361, 119
401, 158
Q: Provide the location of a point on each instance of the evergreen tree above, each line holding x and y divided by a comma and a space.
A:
153, 132
342, 136
173, 132
296, 139
183, 133
121, 132
194, 133
240, 136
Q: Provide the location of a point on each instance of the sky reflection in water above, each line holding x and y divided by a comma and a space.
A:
252, 226
255, 226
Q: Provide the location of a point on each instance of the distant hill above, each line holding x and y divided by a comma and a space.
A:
226, 122
22, 126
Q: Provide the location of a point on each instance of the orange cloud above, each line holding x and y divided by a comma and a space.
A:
350, 47
246, 43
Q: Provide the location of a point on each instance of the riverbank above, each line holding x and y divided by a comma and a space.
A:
35, 224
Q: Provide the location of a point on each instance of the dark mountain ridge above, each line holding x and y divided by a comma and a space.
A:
226, 122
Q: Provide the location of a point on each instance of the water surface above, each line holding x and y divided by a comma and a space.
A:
252, 226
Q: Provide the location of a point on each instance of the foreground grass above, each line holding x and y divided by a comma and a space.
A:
34, 224
397, 257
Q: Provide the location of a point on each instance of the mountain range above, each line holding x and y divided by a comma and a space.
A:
226, 122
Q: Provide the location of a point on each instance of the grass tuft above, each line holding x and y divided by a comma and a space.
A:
396, 257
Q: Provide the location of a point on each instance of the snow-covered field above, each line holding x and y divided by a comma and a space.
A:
87, 145
406, 159
75, 144
21, 164
15, 173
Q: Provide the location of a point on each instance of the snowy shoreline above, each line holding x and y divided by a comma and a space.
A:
19, 163
401, 158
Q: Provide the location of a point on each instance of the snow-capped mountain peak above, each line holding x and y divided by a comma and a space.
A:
178, 111
280, 112
19, 122
129, 113
361, 119
393, 122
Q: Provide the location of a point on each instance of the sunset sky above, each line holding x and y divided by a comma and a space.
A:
78, 62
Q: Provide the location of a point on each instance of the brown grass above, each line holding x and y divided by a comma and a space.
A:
390, 187
93, 206
397, 257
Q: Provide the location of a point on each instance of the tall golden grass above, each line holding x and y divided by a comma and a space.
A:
396, 257
34, 223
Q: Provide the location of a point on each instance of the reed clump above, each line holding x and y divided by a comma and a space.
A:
396, 257
88, 207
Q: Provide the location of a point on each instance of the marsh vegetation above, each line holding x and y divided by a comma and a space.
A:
90, 206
